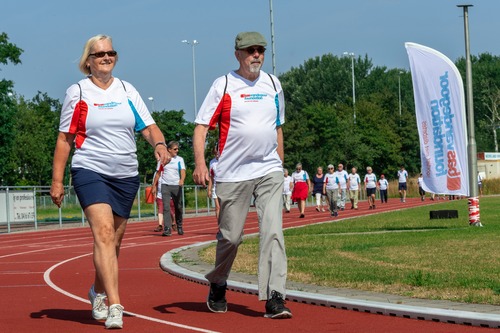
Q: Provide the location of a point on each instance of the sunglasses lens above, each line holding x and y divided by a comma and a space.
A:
102, 54
260, 49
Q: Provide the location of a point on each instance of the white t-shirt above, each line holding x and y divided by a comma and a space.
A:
420, 181
354, 181
104, 122
171, 172
383, 183
370, 180
301, 176
331, 181
247, 120
341, 179
286, 185
402, 175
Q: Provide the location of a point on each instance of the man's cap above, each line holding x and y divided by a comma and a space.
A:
330, 166
249, 38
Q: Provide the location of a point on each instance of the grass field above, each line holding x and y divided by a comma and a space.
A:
401, 252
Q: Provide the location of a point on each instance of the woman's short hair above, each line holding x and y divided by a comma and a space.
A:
368, 168
87, 49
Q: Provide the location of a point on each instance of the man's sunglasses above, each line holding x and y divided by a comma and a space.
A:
252, 49
103, 53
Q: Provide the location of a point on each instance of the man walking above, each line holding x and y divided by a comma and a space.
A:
248, 106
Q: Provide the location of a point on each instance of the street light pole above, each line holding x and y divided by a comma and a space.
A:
152, 103
471, 147
351, 54
193, 44
272, 36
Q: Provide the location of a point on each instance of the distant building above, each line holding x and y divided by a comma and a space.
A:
488, 165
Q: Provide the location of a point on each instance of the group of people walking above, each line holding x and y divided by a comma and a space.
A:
332, 189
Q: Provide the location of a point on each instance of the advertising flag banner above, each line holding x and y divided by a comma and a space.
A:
440, 110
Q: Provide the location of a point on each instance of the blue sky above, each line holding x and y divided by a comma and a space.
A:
148, 35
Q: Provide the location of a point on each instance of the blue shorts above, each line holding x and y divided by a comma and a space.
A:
402, 187
371, 191
92, 187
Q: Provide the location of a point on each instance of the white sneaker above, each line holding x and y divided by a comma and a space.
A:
115, 316
98, 301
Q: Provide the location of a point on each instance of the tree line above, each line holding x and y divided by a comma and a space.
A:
320, 127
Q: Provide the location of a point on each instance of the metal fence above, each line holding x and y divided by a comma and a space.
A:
31, 207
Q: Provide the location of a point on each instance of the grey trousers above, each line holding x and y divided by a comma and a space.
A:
174, 192
234, 201
332, 196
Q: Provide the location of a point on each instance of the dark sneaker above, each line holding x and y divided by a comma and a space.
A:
216, 300
180, 231
167, 232
275, 307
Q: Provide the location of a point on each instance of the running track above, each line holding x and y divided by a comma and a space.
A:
45, 276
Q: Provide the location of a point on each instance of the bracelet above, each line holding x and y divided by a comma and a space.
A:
160, 143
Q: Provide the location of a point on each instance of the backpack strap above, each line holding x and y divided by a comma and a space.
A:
274, 85
80, 87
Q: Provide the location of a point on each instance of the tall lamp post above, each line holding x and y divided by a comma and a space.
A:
351, 54
193, 44
474, 218
152, 103
272, 36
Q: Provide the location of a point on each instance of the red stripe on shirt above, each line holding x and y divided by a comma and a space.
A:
78, 123
222, 117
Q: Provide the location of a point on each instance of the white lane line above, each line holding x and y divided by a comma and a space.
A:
46, 277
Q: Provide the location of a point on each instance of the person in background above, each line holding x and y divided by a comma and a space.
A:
156, 191
370, 186
248, 105
354, 182
421, 192
287, 190
402, 178
480, 184
383, 185
331, 188
173, 175
301, 188
342, 181
318, 193
99, 117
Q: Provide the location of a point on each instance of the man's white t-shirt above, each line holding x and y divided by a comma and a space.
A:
402, 175
354, 181
104, 122
247, 117
171, 172
342, 179
286, 185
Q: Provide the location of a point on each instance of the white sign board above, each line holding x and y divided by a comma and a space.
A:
19, 205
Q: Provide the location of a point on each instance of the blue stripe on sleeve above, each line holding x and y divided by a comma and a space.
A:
139, 123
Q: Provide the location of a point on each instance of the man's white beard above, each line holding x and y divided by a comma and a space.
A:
255, 68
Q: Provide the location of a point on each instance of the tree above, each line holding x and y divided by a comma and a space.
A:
35, 133
8, 53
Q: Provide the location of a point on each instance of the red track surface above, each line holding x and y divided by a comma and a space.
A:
45, 276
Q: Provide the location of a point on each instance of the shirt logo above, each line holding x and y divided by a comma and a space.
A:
252, 97
107, 106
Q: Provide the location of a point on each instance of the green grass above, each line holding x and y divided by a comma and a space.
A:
400, 252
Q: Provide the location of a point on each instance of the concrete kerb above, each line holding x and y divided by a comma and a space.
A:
470, 318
